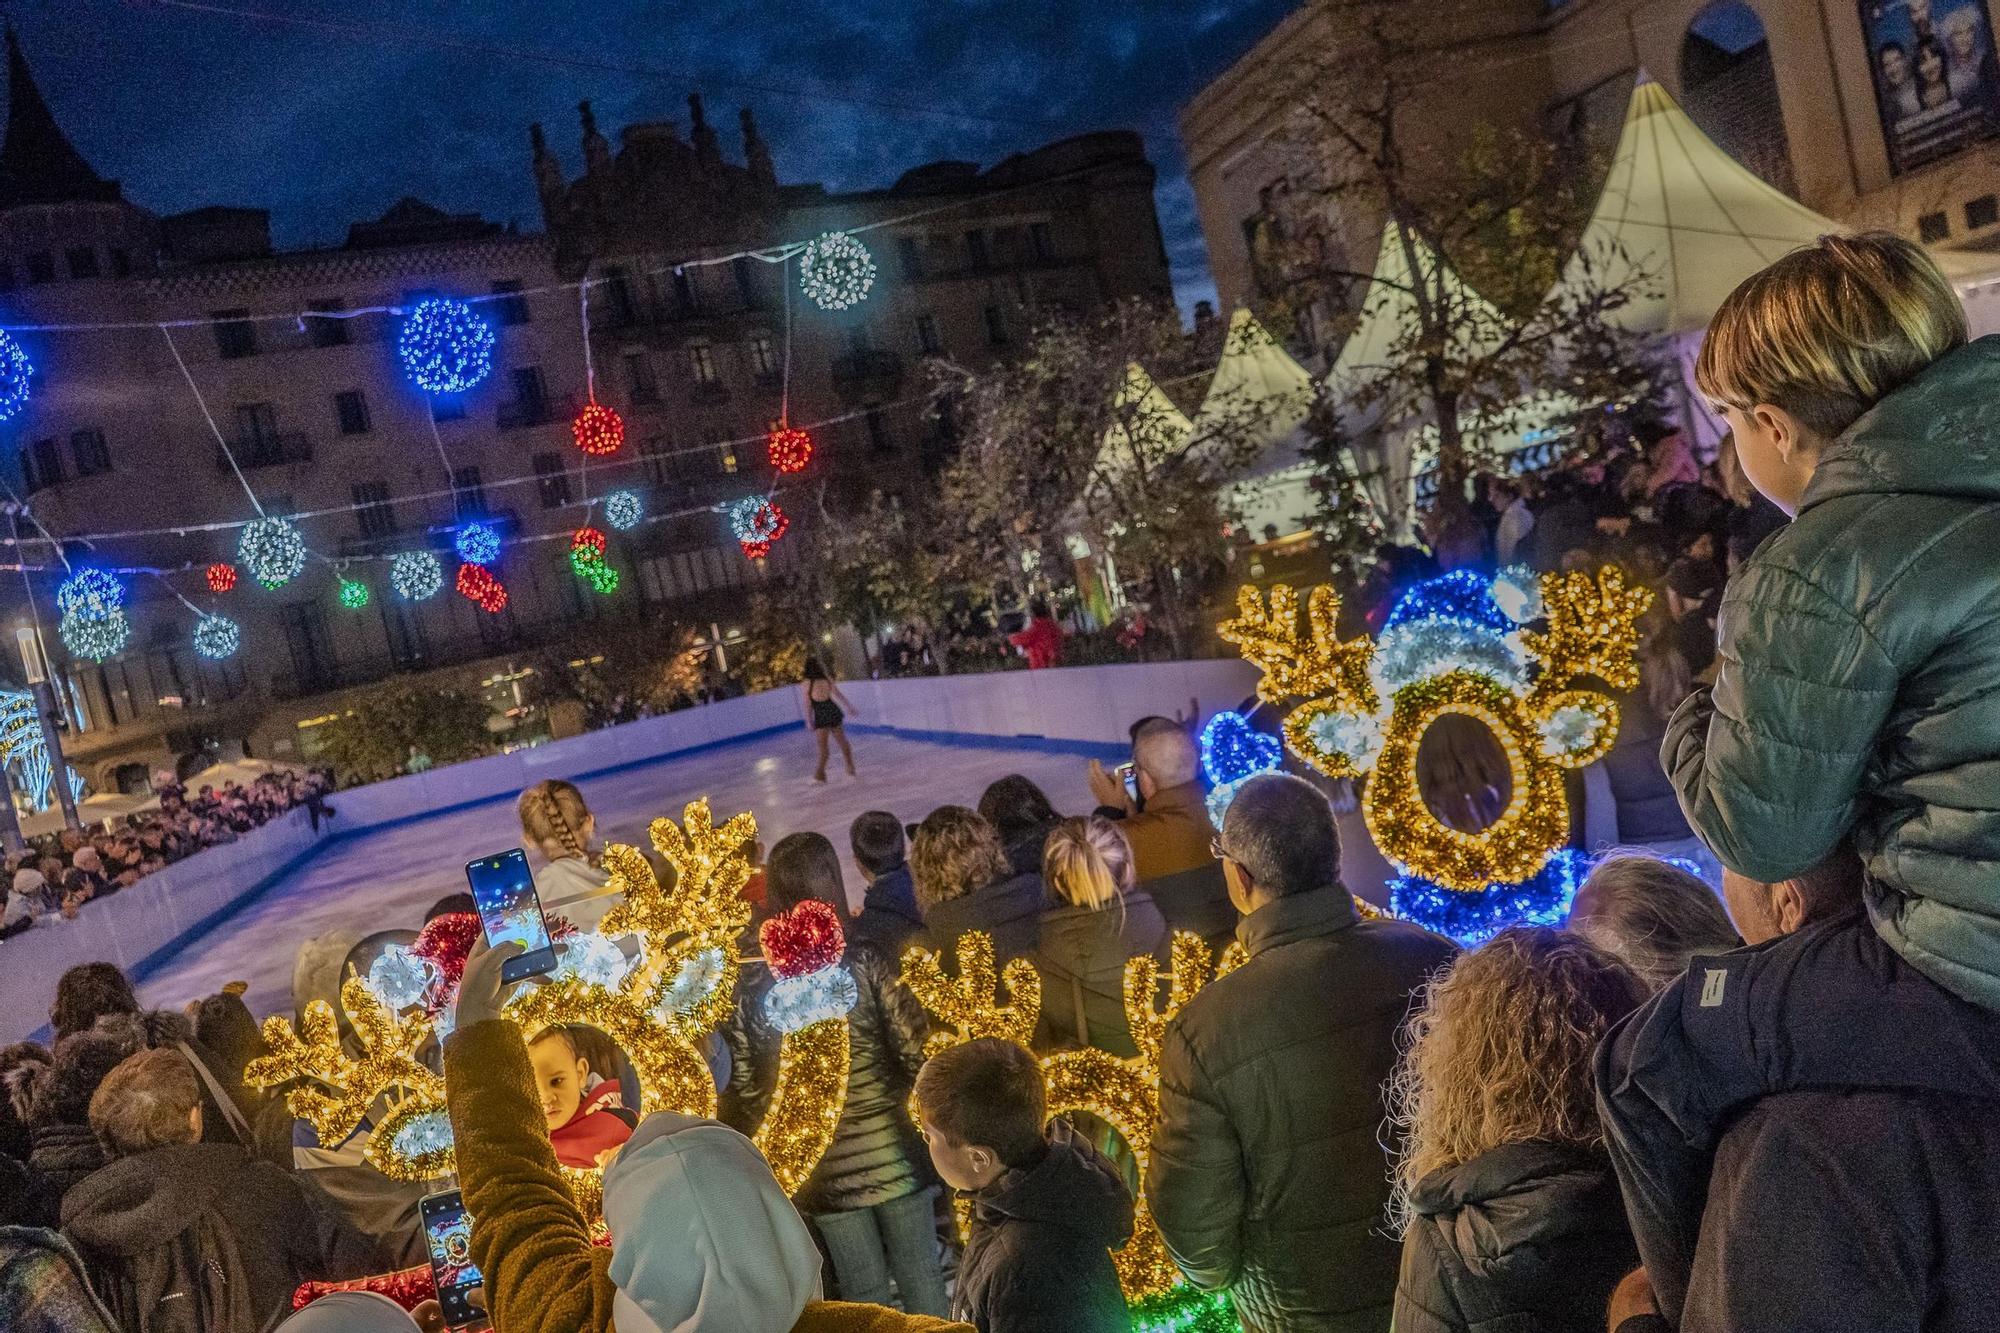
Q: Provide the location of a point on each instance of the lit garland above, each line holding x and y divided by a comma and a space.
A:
445, 347
598, 430
835, 271
353, 595
415, 575
623, 509
1457, 644
1123, 1093
681, 988
790, 448
477, 544
15, 373
808, 1004
221, 576
217, 637
757, 520
98, 638
477, 585
586, 557
273, 550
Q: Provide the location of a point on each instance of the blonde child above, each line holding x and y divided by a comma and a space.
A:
558, 826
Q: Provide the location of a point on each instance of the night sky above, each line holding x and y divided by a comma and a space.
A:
187, 107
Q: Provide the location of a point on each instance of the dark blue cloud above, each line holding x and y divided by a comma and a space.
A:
189, 108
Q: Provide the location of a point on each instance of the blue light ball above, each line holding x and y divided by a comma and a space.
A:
273, 550
444, 347
622, 509
416, 575
478, 544
15, 372
91, 594
217, 637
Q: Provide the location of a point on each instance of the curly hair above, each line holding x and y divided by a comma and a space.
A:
955, 851
552, 818
1500, 1052
87, 992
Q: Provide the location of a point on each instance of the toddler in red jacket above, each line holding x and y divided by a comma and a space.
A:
586, 1114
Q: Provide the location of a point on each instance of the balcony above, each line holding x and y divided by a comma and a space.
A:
868, 375
525, 412
267, 451
709, 391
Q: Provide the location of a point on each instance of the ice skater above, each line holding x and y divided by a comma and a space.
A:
826, 710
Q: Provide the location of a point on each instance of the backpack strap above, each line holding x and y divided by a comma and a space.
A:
231, 1113
1082, 1014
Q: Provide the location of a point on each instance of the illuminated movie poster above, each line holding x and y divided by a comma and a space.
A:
1936, 83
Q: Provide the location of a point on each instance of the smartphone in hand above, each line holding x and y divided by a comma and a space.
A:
448, 1237
503, 890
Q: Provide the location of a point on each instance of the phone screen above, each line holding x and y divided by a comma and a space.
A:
1130, 776
503, 889
448, 1234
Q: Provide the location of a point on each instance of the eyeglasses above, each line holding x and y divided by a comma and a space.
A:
1216, 849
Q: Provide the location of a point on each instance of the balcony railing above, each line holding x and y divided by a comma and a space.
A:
523, 412
267, 451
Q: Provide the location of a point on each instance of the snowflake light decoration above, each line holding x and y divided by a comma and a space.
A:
416, 575
444, 346
623, 509
1463, 644
836, 271
217, 637
273, 550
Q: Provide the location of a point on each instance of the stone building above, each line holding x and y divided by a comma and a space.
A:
1878, 113
206, 329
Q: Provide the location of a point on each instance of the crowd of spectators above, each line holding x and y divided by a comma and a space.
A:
59, 872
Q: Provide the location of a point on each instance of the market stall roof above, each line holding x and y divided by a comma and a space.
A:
1256, 382
1142, 409
1677, 207
1389, 307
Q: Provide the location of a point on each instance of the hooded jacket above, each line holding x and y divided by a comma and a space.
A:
1010, 910
1268, 1173
530, 1241
63, 1155
889, 915
1832, 1008
1082, 959
200, 1236
876, 1155
1860, 678
43, 1288
1038, 1253
1532, 1233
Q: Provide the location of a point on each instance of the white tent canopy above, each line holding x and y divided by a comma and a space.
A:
1259, 386
1389, 307
1694, 220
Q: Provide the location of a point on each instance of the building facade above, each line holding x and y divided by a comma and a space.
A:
1876, 113
204, 330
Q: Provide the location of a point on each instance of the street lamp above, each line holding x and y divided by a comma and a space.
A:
36, 666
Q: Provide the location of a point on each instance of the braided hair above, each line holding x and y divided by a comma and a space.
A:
552, 817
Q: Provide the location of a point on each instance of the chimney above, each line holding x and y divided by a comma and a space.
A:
548, 173
706, 150
757, 154
596, 151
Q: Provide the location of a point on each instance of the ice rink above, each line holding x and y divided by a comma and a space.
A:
386, 878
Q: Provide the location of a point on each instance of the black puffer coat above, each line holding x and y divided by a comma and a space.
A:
64, 1155
1010, 910
876, 1155
1038, 1255
889, 918
1082, 960
1531, 1233
1268, 1175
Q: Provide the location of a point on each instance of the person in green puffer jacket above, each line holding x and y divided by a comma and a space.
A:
1859, 672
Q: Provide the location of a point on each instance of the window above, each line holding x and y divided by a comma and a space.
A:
639, 378
328, 332
311, 646
468, 495
747, 289
911, 255
235, 335
684, 293
996, 326
82, 261
659, 460
763, 355
91, 453
41, 465
878, 432
256, 425
531, 395
975, 249
552, 480
41, 266
1041, 241
928, 337
352, 409
512, 307
1933, 227
121, 262
1982, 212
725, 458
701, 363
374, 513
617, 290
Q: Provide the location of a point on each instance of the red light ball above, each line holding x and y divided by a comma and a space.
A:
587, 537
791, 448
221, 576
477, 585
598, 430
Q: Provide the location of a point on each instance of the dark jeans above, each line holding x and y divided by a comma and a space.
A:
900, 1238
